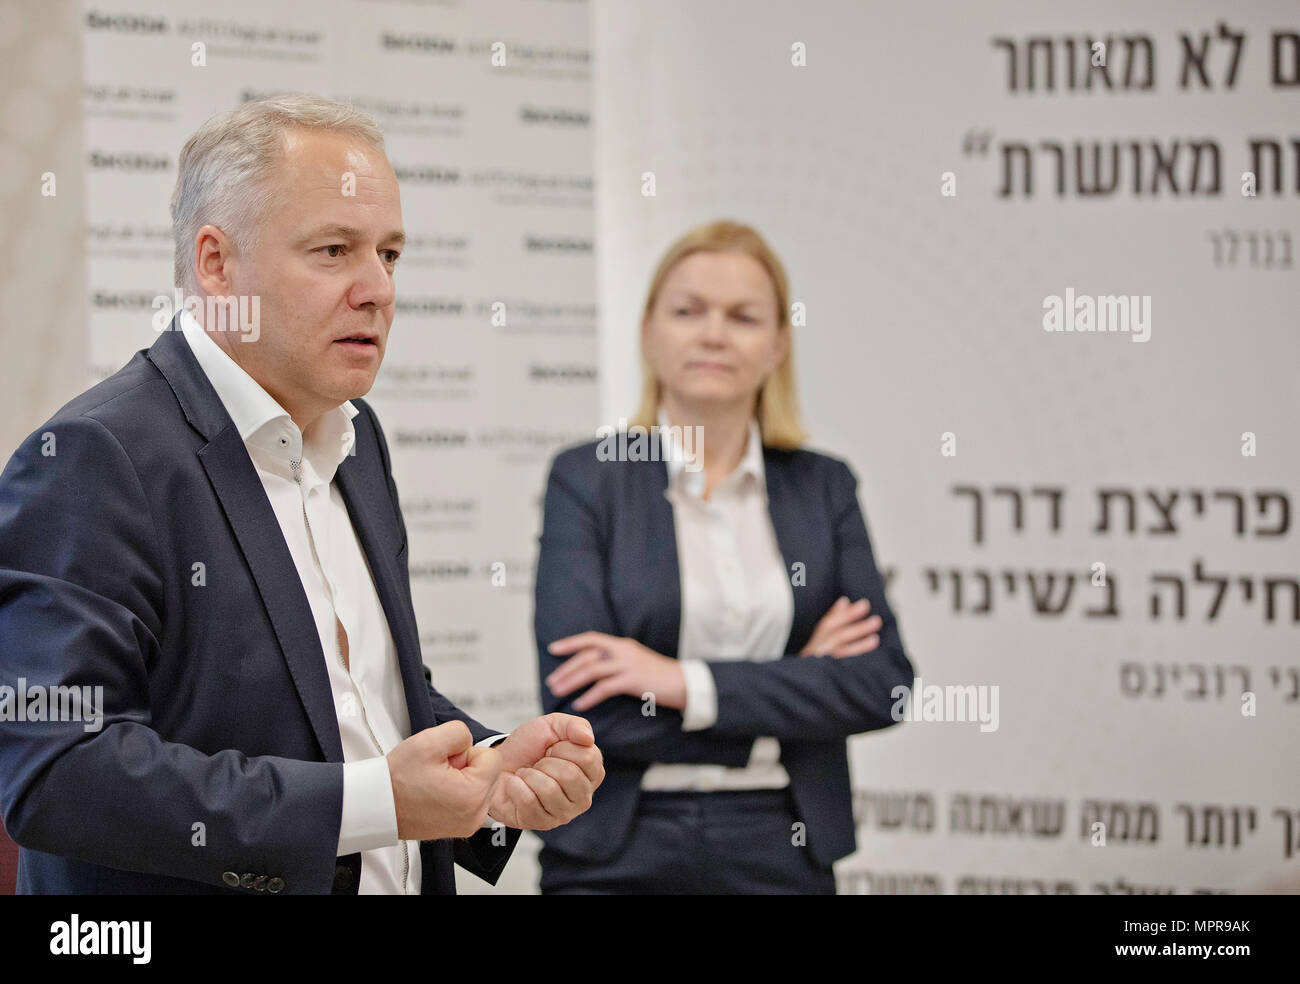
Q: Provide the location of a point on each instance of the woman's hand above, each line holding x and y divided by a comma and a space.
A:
618, 666
844, 630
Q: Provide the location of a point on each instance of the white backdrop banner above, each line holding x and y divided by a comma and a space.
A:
1047, 255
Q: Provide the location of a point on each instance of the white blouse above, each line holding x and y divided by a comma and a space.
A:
737, 603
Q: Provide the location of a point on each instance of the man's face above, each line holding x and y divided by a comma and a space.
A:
323, 269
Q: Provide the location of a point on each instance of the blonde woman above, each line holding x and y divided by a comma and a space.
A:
714, 609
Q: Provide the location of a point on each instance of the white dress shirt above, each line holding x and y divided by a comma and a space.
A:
737, 603
297, 471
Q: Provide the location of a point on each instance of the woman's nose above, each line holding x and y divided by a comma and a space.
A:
714, 327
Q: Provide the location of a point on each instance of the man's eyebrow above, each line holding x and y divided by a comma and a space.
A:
336, 231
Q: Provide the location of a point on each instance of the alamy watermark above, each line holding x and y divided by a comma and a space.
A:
1104, 313
241, 313
41, 703
654, 443
75, 937
954, 702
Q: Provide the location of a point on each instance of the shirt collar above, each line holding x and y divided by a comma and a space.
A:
751, 462
262, 423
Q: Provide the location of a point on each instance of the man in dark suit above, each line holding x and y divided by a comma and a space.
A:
210, 671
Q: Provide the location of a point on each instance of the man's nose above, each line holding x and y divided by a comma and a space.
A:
374, 285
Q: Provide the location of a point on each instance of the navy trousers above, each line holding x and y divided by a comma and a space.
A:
687, 843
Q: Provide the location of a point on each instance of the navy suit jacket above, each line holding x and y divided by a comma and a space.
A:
139, 552
608, 562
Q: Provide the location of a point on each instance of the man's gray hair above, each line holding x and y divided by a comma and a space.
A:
224, 174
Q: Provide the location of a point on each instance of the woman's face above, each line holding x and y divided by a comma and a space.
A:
713, 336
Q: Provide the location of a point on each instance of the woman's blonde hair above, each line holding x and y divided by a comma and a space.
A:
777, 409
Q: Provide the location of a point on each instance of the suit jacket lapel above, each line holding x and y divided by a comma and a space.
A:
243, 499
383, 568
664, 633
251, 517
783, 505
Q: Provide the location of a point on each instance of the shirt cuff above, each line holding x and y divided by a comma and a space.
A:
369, 813
488, 823
701, 710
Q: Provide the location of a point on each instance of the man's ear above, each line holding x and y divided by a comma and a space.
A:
214, 253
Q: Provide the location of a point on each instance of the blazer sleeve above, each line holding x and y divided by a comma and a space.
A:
480, 854
82, 605
571, 597
823, 697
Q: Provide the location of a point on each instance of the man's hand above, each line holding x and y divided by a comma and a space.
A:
442, 783
550, 768
617, 666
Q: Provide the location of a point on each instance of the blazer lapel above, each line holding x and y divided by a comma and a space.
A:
783, 505
243, 499
663, 630
383, 567
251, 517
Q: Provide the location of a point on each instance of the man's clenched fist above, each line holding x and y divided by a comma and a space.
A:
550, 768
442, 783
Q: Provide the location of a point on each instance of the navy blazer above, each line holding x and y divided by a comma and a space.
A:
139, 552
608, 562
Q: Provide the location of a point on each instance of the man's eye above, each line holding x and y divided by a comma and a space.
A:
392, 255
333, 256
